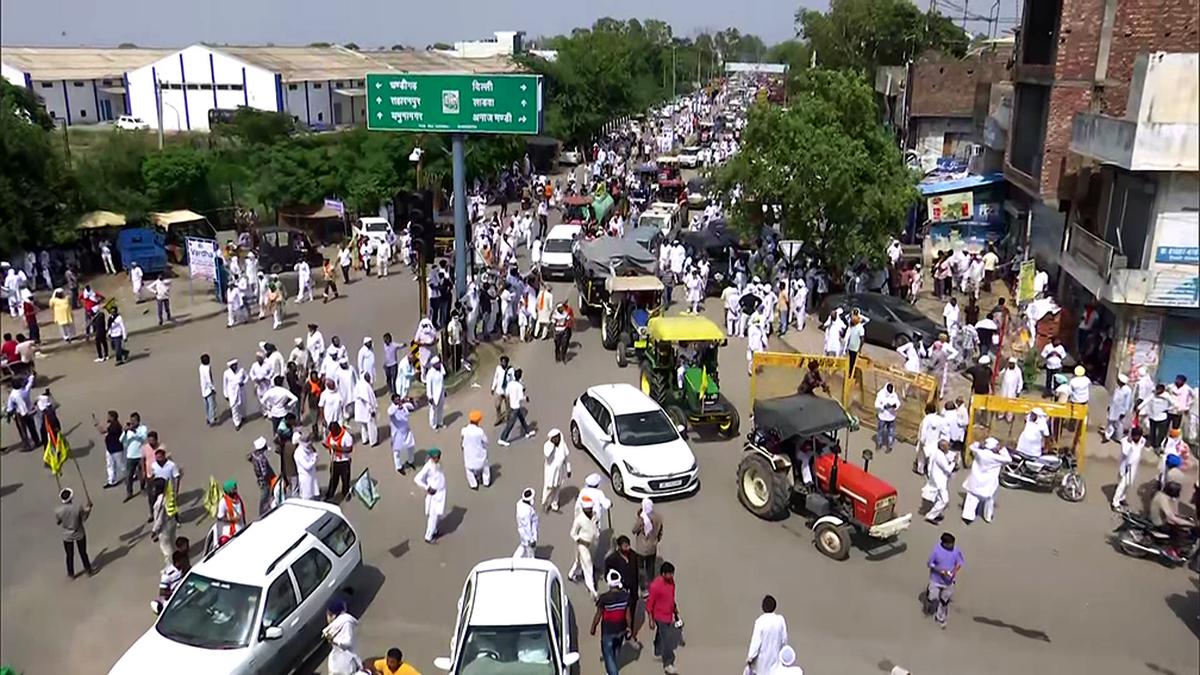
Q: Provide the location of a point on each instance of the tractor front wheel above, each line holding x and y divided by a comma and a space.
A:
623, 350
729, 428
646, 381
608, 332
764, 491
832, 540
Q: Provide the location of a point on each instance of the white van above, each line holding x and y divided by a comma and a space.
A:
373, 227
257, 604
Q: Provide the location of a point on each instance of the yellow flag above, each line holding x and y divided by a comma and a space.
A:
703, 381
212, 496
57, 451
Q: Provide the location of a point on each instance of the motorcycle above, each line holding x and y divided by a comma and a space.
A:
1045, 473
1137, 537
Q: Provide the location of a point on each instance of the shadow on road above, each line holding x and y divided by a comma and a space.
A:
452, 521
7, 490
1031, 633
399, 550
1185, 607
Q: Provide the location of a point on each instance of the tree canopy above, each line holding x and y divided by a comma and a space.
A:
862, 34
837, 175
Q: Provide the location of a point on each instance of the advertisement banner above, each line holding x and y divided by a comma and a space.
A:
951, 207
1025, 291
202, 258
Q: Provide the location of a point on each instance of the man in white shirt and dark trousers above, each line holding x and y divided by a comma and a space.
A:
515, 393
887, 402
1120, 405
1182, 397
1052, 357
207, 391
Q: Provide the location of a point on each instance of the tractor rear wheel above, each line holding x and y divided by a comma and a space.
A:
646, 380
764, 491
608, 332
623, 350
832, 540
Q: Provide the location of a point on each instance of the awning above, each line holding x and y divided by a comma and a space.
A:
98, 219
117, 91
169, 218
959, 185
350, 92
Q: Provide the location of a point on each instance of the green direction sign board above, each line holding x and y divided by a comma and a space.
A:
479, 104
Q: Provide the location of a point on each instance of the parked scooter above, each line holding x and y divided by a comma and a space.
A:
1137, 537
1048, 472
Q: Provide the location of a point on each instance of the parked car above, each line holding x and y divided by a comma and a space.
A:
891, 318
256, 604
512, 618
280, 248
556, 251
630, 436
570, 157
131, 123
373, 227
690, 157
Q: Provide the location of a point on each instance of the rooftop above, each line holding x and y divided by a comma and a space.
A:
79, 63
510, 596
245, 558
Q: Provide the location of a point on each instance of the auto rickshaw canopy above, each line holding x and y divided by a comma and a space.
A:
684, 329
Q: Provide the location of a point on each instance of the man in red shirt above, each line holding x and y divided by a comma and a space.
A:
9, 348
661, 608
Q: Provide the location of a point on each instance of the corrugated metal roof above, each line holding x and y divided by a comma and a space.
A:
79, 63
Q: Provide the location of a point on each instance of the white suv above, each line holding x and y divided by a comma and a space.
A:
131, 123
257, 604
631, 438
558, 251
512, 619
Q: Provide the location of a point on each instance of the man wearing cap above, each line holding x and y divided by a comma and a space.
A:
402, 435
887, 402
341, 632
432, 480
231, 515
584, 534
305, 456
344, 376
1036, 434
260, 375
1012, 382
787, 663
591, 489
475, 452
1131, 455
1052, 358
615, 609
340, 444
984, 479
1120, 404
527, 525
232, 382
264, 475
315, 345
556, 469
366, 358
1081, 386
365, 407
70, 517
434, 378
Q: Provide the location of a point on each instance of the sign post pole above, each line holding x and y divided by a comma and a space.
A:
458, 148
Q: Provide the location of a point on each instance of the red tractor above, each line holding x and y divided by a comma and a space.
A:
793, 461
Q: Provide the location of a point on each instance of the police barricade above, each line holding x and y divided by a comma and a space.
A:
915, 390
779, 374
1004, 419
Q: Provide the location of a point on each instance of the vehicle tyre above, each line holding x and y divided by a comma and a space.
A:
1128, 543
832, 540
576, 439
275, 268
898, 341
1009, 482
764, 491
1073, 488
607, 336
623, 350
678, 417
618, 480
646, 381
729, 428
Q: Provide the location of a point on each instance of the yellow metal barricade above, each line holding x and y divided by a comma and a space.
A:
1004, 419
779, 374
915, 391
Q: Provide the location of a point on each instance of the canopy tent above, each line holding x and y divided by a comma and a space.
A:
166, 219
609, 256
685, 329
100, 219
800, 415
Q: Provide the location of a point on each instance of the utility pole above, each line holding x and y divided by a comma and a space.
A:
673, 71
459, 153
158, 102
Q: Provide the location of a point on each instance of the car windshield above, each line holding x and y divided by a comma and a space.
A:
375, 227
210, 614
645, 428
507, 650
905, 314
559, 245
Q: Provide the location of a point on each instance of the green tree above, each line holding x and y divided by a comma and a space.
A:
257, 127
177, 178
838, 177
110, 175
38, 198
863, 34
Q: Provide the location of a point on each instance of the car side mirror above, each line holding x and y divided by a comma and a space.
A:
605, 437
442, 663
272, 633
156, 606
571, 659
680, 428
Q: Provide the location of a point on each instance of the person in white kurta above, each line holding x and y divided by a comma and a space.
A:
912, 357
432, 480
135, 279
341, 632
365, 407
331, 403
1131, 456
475, 452
402, 435
769, 636
798, 303
231, 386
366, 359
315, 344
695, 291
306, 465
756, 338
434, 378
1120, 405
527, 525
304, 282
556, 469
260, 375
834, 327
787, 663
984, 479
938, 469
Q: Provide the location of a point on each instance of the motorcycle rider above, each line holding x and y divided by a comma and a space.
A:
1164, 514
1035, 437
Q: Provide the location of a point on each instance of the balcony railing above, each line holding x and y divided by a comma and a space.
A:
1092, 250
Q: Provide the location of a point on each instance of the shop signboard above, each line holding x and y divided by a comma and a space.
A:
951, 207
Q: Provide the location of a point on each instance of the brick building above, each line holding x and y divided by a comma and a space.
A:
1075, 56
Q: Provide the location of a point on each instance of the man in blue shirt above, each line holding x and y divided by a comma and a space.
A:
133, 438
944, 563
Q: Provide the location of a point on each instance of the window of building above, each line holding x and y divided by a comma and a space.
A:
77, 84
320, 117
82, 114
359, 83
316, 85
106, 82
1029, 128
291, 87
337, 84
47, 85
1039, 39
235, 87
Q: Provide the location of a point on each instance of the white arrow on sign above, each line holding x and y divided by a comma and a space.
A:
378, 85
379, 99
523, 87
378, 115
521, 119
524, 103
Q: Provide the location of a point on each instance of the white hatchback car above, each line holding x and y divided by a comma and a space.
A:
631, 438
558, 251
257, 604
512, 620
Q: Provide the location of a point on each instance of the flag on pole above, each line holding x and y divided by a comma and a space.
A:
703, 381
57, 451
212, 496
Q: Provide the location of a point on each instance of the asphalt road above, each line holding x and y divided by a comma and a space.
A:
1043, 590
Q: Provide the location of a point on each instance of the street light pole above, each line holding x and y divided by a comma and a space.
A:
673, 71
158, 103
460, 214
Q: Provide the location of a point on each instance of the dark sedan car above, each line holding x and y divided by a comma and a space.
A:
890, 318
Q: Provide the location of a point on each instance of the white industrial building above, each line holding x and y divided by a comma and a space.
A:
502, 43
320, 87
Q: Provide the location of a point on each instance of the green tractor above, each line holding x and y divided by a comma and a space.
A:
630, 304
679, 370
